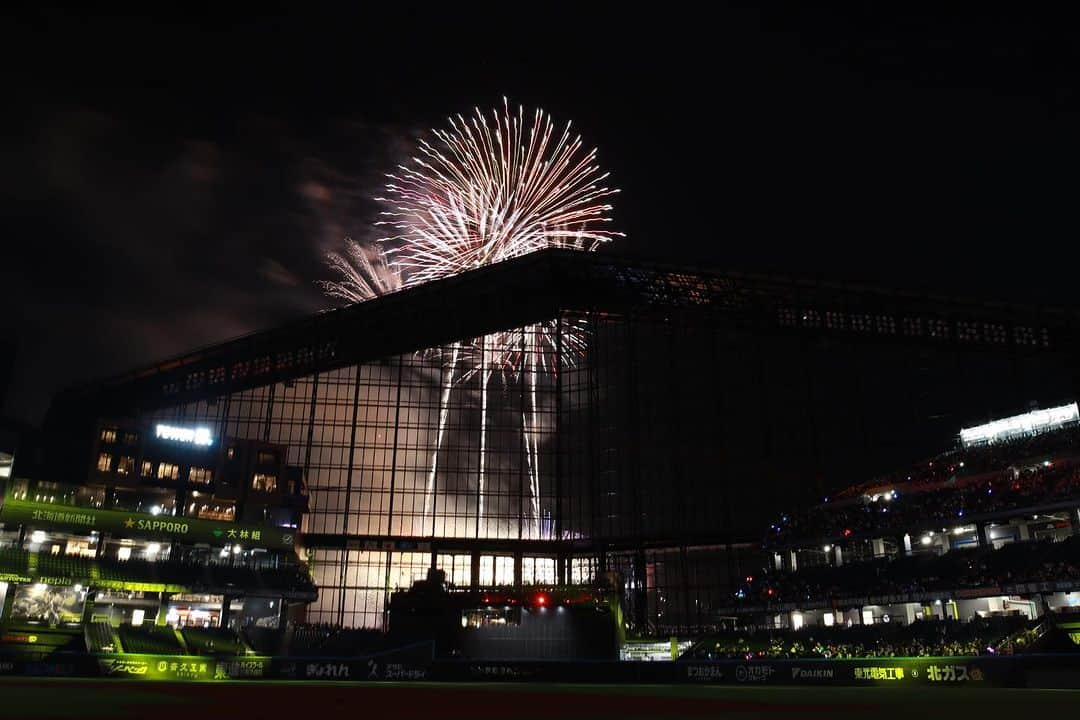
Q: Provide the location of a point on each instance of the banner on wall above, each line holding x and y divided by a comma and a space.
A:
867, 671
182, 667
134, 524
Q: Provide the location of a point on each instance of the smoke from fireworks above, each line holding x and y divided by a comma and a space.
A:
487, 189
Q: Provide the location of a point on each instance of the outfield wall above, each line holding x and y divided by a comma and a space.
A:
414, 663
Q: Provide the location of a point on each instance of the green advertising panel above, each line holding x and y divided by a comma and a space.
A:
131, 524
180, 667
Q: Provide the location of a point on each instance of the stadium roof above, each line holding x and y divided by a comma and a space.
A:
538, 287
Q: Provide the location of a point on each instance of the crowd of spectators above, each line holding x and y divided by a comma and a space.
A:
989, 457
1023, 562
924, 638
948, 489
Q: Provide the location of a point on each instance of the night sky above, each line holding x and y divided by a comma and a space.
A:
175, 181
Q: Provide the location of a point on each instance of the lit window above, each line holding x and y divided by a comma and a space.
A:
213, 510
230, 453
168, 471
147, 468
200, 475
126, 465
130, 438
491, 616
104, 461
264, 483
108, 435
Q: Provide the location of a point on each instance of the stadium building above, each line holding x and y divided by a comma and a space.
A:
974, 551
561, 416
166, 528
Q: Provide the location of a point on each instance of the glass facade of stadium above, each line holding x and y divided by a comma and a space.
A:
655, 441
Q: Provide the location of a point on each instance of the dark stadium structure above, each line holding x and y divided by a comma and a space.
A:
537, 623
680, 411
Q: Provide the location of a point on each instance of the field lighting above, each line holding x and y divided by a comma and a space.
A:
1033, 422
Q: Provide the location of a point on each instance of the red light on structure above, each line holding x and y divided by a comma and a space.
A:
847, 532
541, 599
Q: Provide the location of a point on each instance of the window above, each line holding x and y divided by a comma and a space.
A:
230, 453
104, 461
267, 457
147, 468
126, 465
496, 570
168, 471
538, 571
209, 508
108, 435
264, 483
200, 475
130, 438
492, 616
81, 547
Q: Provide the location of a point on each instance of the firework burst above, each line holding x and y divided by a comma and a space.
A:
489, 188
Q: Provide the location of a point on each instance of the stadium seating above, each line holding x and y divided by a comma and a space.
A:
153, 639
977, 460
264, 641
1024, 562
100, 638
288, 577
952, 488
214, 641
13, 560
919, 639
